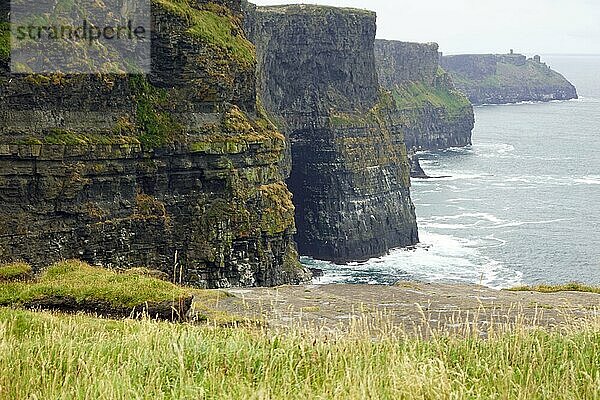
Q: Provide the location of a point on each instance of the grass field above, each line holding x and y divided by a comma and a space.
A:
52, 356
47, 355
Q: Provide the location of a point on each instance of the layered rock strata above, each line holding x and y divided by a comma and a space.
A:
350, 172
431, 111
178, 171
507, 78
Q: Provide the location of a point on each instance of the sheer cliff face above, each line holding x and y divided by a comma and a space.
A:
350, 174
507, 78
176, 171
430, 111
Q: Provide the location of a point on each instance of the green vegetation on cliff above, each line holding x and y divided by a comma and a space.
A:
157, 127
315, 10
4, 41
420, 95
15, 272
48, 356
79, 287
215, 25
568, 287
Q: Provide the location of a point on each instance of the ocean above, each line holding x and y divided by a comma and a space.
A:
520, 206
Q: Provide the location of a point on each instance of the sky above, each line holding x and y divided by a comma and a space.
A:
485, 26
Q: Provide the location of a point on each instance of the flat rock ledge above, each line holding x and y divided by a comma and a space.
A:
417, 308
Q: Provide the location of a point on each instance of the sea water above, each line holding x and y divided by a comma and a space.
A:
520, 206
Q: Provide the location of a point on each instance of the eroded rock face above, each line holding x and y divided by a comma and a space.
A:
507, 78
430, 111
350, 174
176, 171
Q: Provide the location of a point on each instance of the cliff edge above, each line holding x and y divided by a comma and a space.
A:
431, 112
350, 173
178, 170
507, 78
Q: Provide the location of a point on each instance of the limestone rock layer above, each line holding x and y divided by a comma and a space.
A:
430, 110
178, 171
350, 172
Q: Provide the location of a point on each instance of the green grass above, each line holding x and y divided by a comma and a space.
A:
417, 95
69, 138
47, 356
4, 41
15, 272
86, 287
568, 287
532, 74
216, 26
156, 125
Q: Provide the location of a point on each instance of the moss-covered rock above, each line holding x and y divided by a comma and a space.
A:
4, 41
162, 171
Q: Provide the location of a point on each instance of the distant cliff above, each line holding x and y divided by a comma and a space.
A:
507, 78
350, 172
178, 170
430, 110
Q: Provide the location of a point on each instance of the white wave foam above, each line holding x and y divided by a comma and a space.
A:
439, 258
523, 223
479, 215
588, 180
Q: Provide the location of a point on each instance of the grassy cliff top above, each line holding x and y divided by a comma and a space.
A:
402, 43
532, 72
508, 73
316, 10
86, 284
215, 25
4, 41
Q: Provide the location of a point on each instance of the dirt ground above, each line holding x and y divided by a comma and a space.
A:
413, 307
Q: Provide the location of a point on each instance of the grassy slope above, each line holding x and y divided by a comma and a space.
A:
568, 287
78, 357
532, 74
417, 95
83, 283
15, 272
420, 95
4, 41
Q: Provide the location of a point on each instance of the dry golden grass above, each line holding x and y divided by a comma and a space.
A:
46, 356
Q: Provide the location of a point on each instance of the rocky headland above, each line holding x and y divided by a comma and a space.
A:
350, 174
277, 128
506, 78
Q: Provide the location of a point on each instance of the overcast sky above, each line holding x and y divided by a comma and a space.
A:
485, 26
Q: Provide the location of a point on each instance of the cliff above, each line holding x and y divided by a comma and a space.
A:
507, 78
430, 110
178, 170
350, 172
